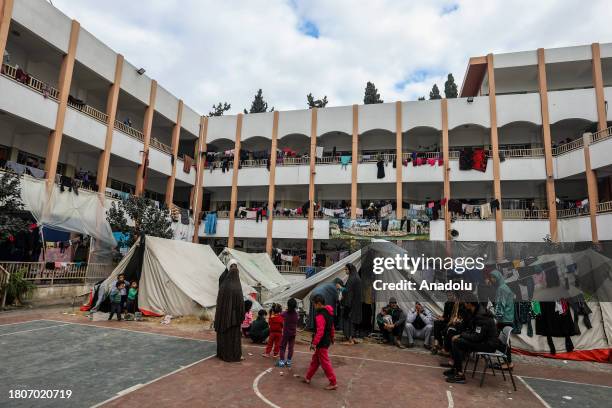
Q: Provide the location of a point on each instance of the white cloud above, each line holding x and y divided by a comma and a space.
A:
210, 51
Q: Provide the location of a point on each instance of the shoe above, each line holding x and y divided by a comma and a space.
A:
266, 355
280, 363
456, 379
331, 387
275, 356
306, 380
449, 373
428, 347
446, 365
288, 363
410, 345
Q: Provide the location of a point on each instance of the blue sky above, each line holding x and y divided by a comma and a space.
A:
208, 51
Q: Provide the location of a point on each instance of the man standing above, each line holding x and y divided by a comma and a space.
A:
419, 326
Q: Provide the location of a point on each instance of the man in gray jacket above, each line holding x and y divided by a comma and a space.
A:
419, 325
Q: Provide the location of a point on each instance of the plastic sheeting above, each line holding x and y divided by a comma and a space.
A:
255, 268
177, 277
66, 211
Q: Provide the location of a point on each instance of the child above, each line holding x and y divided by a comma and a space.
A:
131, 299
115, 298
248, 318
276, 330
321, 340
386, 317
290, 321
259, 328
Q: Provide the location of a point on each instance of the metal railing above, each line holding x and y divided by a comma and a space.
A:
373, 157
31, 82
128, 130
601, 135
568, 147
525, 214
89, 111
573, 212
293, 161
4, 279
162, 147
254, 163
70, 272
301, 269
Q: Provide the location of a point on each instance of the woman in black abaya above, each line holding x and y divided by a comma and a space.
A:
229, 314
351, 303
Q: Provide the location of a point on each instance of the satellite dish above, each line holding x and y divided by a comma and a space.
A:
454, 233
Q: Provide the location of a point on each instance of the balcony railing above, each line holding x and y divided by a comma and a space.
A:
293, 161
128, 130
162, 147
601, 135
28, 80
573, 212
568, 147
254, 163
604, 207
89, 111
525, 214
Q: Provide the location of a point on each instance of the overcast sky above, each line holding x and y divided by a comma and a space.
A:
210, 51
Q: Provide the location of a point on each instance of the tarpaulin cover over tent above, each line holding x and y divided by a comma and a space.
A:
175, 277
255, 268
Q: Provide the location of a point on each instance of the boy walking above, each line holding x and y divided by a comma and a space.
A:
115, 298
322, 339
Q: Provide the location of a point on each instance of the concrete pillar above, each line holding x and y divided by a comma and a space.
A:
311, 186
272, 183
399, 198
146, 131
234, 195
198, 191
354, 161
176, 133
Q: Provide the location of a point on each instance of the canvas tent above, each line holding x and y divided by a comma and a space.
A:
255, 268
175, 277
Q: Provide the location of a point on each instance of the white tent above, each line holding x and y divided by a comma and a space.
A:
175, 277
255, 268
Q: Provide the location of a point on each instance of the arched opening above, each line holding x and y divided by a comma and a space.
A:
255, 151
332, 146
293, 149
568, 130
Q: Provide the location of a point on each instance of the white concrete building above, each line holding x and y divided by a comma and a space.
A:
68, 102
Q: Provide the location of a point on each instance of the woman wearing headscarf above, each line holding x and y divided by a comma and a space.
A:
229, 314
351, 303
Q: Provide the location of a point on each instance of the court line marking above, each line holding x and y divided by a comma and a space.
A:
449, 396
299, 351
133, 331
534, 393
565, 381
31, 330
258, 393
25, 321
133, 388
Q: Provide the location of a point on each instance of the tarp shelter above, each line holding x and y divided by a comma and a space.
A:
255, 268
174, 277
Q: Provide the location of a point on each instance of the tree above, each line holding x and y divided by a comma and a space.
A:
318, 103
220, 109
258, 105
450, 87
421, 98
11, 206
148, 219
371, 94
435, 92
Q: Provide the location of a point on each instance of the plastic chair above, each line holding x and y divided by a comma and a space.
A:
500, 356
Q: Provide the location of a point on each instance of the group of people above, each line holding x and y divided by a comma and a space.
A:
123, 297
233, 319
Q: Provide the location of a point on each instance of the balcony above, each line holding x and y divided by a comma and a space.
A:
28, 80
130, 131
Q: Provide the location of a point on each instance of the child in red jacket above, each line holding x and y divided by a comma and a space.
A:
322, 339
276, 330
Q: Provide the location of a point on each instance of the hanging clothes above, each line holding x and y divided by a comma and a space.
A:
485, 211
381, 169
552, 324
479, 160
187, 163
465, 159
319, 152
210, 224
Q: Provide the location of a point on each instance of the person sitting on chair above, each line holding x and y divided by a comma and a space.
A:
481, 335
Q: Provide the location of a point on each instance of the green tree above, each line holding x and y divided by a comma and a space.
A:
316, 103
421, 98
259, 104
435, 92
371, 94
450, 87
220, 109
11, 206
148, 219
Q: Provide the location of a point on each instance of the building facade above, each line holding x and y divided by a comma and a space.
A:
69, 104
